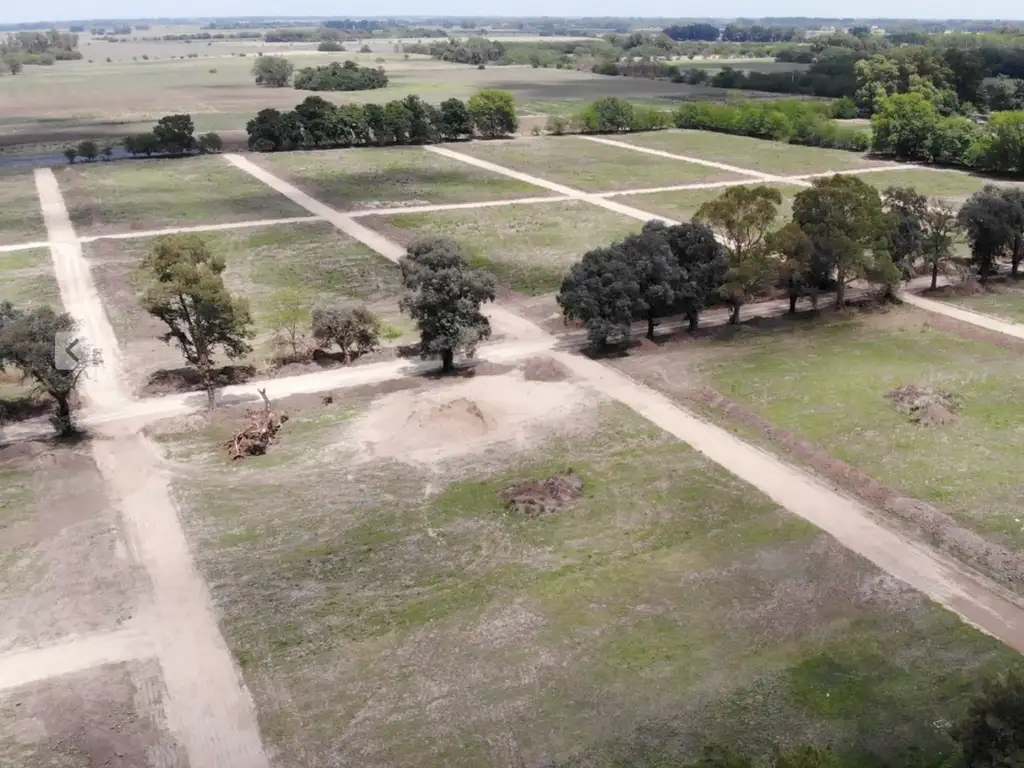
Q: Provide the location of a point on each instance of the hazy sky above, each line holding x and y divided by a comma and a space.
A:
14, 11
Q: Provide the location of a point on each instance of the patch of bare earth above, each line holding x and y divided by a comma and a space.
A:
108, 717
924, 405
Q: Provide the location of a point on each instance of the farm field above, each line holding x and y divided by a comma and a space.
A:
311, 261
588, 166
367, 178
106, 198
528, 248
846, 369
682, 204
661, 611
755, 154
20, 219
954, 186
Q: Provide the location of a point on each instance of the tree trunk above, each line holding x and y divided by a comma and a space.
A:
935, 275
650, 326
734, 313
840, 292
447, 360
1018, 253
793, 298
693, 319
62, 420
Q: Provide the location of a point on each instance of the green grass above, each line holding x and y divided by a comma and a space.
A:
1007, 303
27, 281
755, 154
104, 198
954, 186
828, 381
589, 166
356, 179
683, 204
20, 218
527, 247
672, 606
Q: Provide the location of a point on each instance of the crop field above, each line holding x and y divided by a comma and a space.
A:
20, 219
104, 198
589, 166
360, 179
306, 263
756, 154
405, 616
528, 248
683, 204
846, 369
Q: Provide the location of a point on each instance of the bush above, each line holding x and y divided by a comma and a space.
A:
330, 46
272, 71
340, 77
88, 150
356, 330
366, 49
608, 115
210, 143
844, 108
558, 125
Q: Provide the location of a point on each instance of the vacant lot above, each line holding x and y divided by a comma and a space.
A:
20, 218
1001, 300
104, 198
359, 179
954, 186
64, 568
312, 261
756, 154
527, 247
829, 382
401, 615
26, 279
683, 204
590, 166
109, 716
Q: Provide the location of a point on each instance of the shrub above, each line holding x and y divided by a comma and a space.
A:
330, 46
558, 125
366, 49
340, 77
844, 108
88, 150
355, 330
210, 143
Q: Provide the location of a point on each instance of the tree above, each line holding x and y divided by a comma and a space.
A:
493, 113
375, 122
454, 121
175, 134
798, 269
27, 341
906, 240
991, 735
657, 273
444, 295
14, 66
701, 259
71, 153
353, 329
988, 218
272, 71
210, 143
107, 151
607, 115
1005, 150
185, 289
397, 122
422, 120
940, 226
842, 217
88, 150
743, 217
273, 131
602, 291
288, 317
904, 125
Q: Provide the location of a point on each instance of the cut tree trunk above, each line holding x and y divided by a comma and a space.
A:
793, 298
447, 360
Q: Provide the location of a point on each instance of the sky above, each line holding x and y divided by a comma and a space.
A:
45, 10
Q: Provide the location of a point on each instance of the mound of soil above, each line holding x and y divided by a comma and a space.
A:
460, 418
542, 497
544, 369
924, 405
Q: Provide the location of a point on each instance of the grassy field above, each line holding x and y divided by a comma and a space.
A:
756, 154
104, 198
527, 247
314, 260
358, 179
26, 279
828, 381
1006, 301
590, 166
955, 186
401, 615
682, 205
20, 218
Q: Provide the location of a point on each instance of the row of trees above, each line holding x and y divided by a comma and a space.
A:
317, 123
172, 135
39, 47
841, 230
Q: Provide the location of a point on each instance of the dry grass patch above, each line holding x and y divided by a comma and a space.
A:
126, 196
683, 204
589, 166
954, 186
391, 177
527, 247
402, 615
26, 279
755, 154
20, 218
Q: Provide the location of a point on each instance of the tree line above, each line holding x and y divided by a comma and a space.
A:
172, 135
317, 123
842, 230
277, 72
43, 48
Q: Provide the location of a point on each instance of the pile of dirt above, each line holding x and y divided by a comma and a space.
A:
544, 369
458, 419
542, 497
259, 432
924, 405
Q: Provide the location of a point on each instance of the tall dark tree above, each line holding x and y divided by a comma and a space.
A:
602, 291
454, 120
940, 228
988, 219
992, 733
176, 134
906, 243
702, 261
658, 274
444, 295
798, 268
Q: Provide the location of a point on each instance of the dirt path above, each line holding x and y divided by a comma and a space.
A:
23, 247
965, 315
208, 707
200, 228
